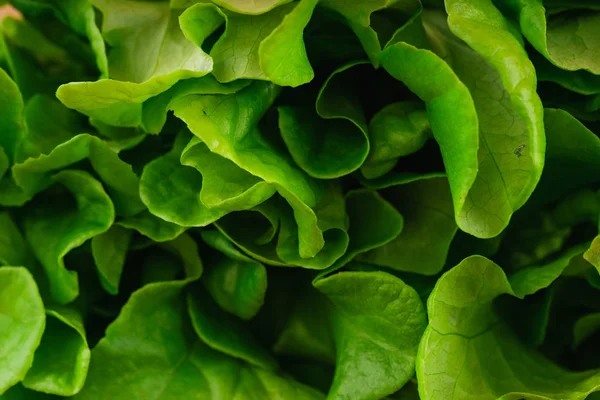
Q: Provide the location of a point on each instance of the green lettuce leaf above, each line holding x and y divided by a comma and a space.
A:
227, 124
374, 22
152, 226
55, 227
467, 351
78, 15
155, 318
236, 282
23, 324
566, 38
171, 191
145, 59
397, 130
64, 335
269, 46
585, 327
332, 141
225, 333
11, 114
385, 331
225, 186
429, 228
572, 158
35, 174
489, 180
109, 250
255, 7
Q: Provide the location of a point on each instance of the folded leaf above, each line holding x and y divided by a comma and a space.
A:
332, 141
171, 191
224, 333
373, 223
227, 124
146, 59
170, 359
236, 282
572, 157
488, 187
65, 336
35, 174
23, 322
80, 16
468, 352
385, 331
585, 327
11, 114
242, 37
284, 250
397, 130
225, 186
256, 7
565, 38
109, 250
13, 248
283, 55
54, 231
374, 22
429, 228
152, 227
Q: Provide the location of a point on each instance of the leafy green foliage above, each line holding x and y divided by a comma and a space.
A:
299, 199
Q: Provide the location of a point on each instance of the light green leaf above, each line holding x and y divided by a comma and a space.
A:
64, 337
592, 254
429, 228
171, 191
236, 282
225, 186
54, 231
110, 250
154, 111
468, 352
35, 174
236, 53
22, 324
250, 7
488, 179
377, 316
228, 126
567, 40
146, 58
283, 56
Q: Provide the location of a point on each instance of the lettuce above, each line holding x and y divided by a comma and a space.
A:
299, 199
